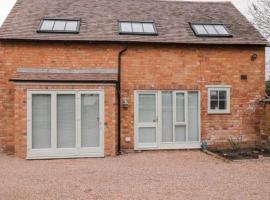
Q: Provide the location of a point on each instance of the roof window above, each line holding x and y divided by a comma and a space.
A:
210, 30
59, 26
137, 28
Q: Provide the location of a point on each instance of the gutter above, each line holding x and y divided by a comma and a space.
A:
63, 81
118, 88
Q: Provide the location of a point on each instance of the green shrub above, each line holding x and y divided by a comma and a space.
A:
235, 143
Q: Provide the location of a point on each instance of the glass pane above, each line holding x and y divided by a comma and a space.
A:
66, 125
47, 25
41, 121
222, 105
148, 28
71, 26
147, 135
199, 29
193, 114
137, 27
167, 117
59, 26
214, 95
90, 120
214, 105
221, 30
147, 108
222, 95
180, 133
126, 27
180, 107
210, 29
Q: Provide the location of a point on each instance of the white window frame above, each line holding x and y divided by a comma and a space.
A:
226, 88
55, 152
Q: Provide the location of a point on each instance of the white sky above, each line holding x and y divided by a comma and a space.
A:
6, 6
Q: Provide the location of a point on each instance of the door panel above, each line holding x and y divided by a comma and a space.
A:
193, 114
147, 119
147, 135
66, 123
90, 136
167, 117
180, 133
180, 107
147, 108
41, 126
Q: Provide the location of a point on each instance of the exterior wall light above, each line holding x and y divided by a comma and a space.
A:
125, 102
254, 57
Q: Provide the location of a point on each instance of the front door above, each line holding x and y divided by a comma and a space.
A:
147, 120
65, 124
167, 119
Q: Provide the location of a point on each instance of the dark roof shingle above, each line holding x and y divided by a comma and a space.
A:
99, 21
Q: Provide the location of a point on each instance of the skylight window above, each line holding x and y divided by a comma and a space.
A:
210, 30
137, 28
59, 26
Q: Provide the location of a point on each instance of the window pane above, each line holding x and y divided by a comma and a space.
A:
41, 121
167, 117
222, 105
148, 28
59, 26
200, 29
214, 95
126, 27
180, 133
147, 107
221, 30
147, 135
193, 114
47, 25
180, 107
222, 95
66, 125
210, 29
71, 26
214, 105
90, 120
137, 27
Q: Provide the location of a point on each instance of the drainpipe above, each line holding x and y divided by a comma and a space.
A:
118, 87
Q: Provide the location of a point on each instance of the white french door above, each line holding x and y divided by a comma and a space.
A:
65, 124
167, 119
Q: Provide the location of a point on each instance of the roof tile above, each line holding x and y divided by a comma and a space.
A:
99, 20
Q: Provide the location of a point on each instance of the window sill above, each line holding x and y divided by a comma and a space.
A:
219, 113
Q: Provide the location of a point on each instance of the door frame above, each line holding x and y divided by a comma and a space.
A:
146, 124
55, 152
168, 145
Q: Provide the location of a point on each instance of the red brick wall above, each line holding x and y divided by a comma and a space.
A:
194, 67
265, 125
61, 55
161, 67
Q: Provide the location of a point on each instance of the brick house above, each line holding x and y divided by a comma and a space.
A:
92, 78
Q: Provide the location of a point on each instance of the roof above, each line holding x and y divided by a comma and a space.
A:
99, 21
64, 75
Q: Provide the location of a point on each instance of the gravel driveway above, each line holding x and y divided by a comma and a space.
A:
148, 175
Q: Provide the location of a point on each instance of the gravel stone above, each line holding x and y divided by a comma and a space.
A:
147, 175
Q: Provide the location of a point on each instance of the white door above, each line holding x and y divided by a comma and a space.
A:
147, 120
176, 123
65, 124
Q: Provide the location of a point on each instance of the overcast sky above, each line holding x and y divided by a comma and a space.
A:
6, 5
